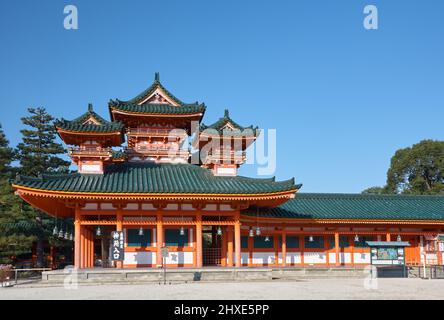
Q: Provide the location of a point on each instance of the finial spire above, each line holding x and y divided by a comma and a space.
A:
156, 76
226, 113
90, 107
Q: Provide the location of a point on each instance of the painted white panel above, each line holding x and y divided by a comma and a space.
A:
263, 257
132, 206
91, 168
90, 206
344, 257
244, 257
361, 257
172, 206
187, 206
140, 258
226, 171
210, 207
315, 257
107, 206
148, 206
225, 207
179, 258
291, 258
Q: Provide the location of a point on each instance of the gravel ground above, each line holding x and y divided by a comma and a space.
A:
307, 289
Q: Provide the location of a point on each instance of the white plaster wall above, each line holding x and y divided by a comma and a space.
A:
179, 257
291, 258
264, 258
139, 258
344, 257
244, 257
315, 257
363, 257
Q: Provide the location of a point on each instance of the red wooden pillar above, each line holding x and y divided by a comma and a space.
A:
387, 237
199, 240
284, 247
159, 237
230, 246
338, 261
77, 239
237, 240
119, 227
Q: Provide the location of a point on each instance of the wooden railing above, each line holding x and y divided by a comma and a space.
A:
85, 151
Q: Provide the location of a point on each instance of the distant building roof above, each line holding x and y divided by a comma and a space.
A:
332, 206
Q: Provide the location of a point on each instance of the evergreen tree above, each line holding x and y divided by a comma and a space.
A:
418, 169
13, 241
38, 154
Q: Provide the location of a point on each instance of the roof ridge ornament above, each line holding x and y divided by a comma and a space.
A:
226, 113
90, 107
157, 76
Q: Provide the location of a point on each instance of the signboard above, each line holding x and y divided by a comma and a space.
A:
387, 256
117, 246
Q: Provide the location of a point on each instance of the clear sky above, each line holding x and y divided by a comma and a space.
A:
342, 99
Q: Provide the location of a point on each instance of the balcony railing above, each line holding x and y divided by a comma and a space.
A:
149, 132
226, 157
157, 150
85, 151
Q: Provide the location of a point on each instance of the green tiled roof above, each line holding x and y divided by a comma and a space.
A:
149, 108
134, 105
358, 207
77, 125
222, 122
156, 178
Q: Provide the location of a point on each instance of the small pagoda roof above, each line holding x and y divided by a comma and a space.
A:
141, 104
89, 122
150, 178
227, 126
332, 206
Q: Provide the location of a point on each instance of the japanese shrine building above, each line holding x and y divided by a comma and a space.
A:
204, 212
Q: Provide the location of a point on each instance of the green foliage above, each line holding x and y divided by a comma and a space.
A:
20, 224
418, 169
375, 190
38, 151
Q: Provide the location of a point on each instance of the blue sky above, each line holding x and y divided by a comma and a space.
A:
342, 99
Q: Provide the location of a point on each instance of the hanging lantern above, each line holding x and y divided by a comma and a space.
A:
356, 238
55, 231
258, 231
66, 237
219, 231
182, 231
310, 238
398, 238
140, 231
251, 234
267, 238
61, 234
98, 231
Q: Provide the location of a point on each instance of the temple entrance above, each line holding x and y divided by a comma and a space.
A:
211, 246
